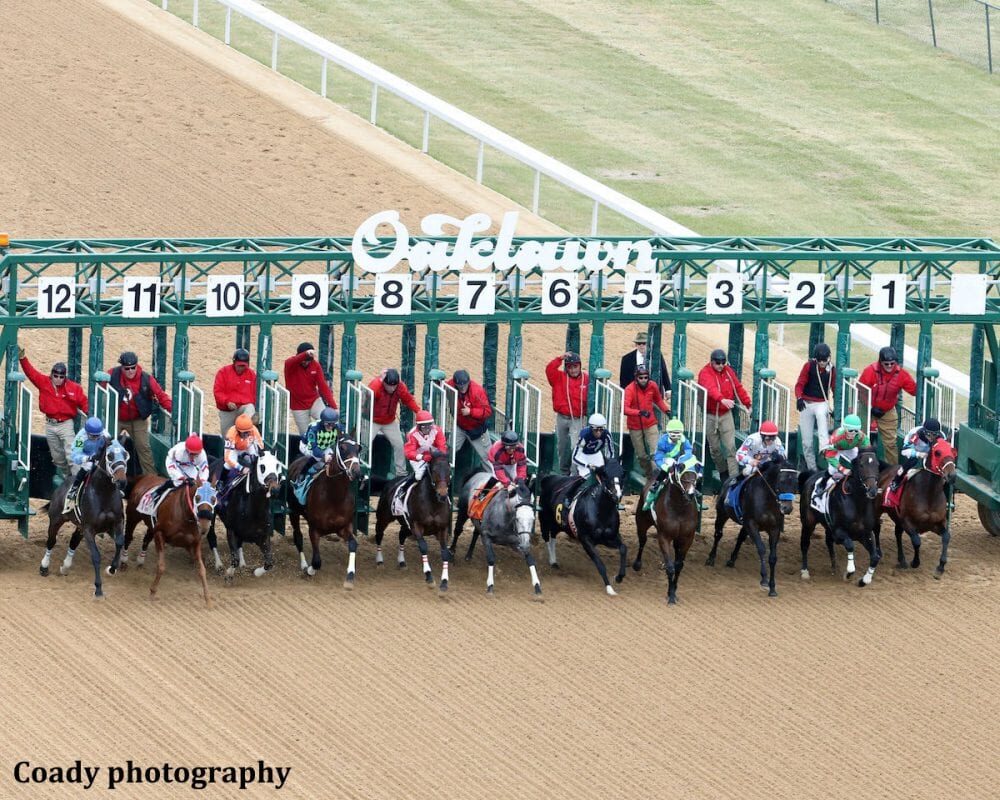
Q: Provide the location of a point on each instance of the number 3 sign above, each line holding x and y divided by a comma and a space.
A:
724, 293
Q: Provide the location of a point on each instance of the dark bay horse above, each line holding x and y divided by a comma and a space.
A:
508, 520
247, 512
766, 500
182, 519
427, 513
851, 515
591, 518
923, 505
329, 504
675, 514
98, 510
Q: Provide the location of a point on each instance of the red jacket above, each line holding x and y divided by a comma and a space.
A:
476, 401
498, 455
416, 450
637, 400
60, 403
306, 384
722, 386
233, 388
569, 395
886, 386
127, 409
387, 403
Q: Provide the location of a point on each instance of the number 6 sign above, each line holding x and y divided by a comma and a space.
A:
559, 293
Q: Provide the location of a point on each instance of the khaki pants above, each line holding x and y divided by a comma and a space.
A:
138, 429
394, 435
567, 432
721, 435
480, 445
228, 418
888, 425
306, 416
644, 443
59, 436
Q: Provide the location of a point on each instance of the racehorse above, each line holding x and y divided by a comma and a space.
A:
766, 500
592, 517
675, 513
98, 510
329, 504
183, 517
851, 516
426, 512
923, 505
247, 511
508, 520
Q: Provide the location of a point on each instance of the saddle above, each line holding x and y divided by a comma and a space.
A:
733, 497
820, 500
892, 497
565, 502
73, 496
477, 504
150, 502
401, 498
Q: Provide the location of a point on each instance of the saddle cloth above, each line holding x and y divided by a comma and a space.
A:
401, 497
302, 484
733, 498
820, 500
477, 506
148, 505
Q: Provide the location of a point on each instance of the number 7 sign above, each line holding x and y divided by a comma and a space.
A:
477, 294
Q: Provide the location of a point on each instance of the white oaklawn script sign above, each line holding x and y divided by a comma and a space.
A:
482, 253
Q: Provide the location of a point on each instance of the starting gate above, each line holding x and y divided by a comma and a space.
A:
775, 404
940, 402
358, 420
105, 405
610, 401
692, 410
444, 405
856, 398
274, 416
189, 409
15, 425
526, 415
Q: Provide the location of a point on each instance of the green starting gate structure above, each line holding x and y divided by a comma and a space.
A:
252, 285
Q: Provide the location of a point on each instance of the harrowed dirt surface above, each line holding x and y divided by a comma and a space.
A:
390, 691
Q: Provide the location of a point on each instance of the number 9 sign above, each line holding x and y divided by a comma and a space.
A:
310, 295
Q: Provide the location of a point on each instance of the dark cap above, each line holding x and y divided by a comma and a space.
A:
642, 369
571, 358
932, 425
461, 378
391, 377
888, 354
59, 368
718, 356
821, 352
303, 347
128, 359
241, 356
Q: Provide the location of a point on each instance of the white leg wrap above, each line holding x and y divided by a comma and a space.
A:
489, 576
869, 574
426, 563
611, 592
351, 559
400, 556
218, 560
47, 559
302, 561
534, 575
378, 556
444, 571
850, 563
243, 561
552, 550
259, 572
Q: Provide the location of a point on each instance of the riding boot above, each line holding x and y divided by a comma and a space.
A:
723, 476
897, 479
654, 491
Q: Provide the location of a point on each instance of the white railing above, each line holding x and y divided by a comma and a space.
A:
106, 407
435, 108
444, 409
358, 413
856, 398
693, 404
776, 405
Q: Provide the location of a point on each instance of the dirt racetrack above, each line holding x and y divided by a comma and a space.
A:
390, 691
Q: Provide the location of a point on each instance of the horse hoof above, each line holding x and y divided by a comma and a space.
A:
861, 583
848, 576
429, 580
709, 562
611, 592
772, 593
915, 563
43, 571
468, 559
489, 592
764, 587
637, 565
259, 572
538, 590
619, 578
308, 570
349, 584
98, 595
401, 565
730, 563
804, 574
109, 570
902, 565
671, 601
444, 586
553, 565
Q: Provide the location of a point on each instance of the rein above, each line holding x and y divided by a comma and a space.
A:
784, 496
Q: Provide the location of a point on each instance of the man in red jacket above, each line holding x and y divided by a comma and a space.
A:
887, 379
309, 392
473, 411
388, 392
139, 395
569, 400
641, 396
60, 400
235, 390
724, 389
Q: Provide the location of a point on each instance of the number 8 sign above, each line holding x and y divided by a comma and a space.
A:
393, 293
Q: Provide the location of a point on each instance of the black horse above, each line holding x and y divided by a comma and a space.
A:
766, 500
592, 517
426, 512
247, 514
852, 515
99, 509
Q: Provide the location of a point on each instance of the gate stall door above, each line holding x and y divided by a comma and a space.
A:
693, 413
610, 401
274, 416
444, 403
189, 409
358, 417
940, 402
526, 416
775, 404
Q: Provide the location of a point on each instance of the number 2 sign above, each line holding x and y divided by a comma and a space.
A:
805, 293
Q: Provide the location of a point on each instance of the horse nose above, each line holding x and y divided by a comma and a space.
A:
786, 508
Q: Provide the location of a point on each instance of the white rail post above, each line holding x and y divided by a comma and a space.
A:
322, 79
427, 132
194, 14
479, 162
374, 113
274, 52
227, 37
536, 194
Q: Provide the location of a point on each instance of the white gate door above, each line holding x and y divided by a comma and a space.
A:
359, 421
106, 407
857, 399
939, 401
189, 411
692, 411
776, 405
526, 418
610, 401
444, 405
274, 419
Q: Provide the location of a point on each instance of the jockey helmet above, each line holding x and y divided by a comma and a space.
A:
128, 359
768, 428
391, 377
718, 356
571, 358
510, 439
424, 418
241, 356
888, 354
193, 444
641, 370
244, 424
675, 429
94, 426
821, 352
852, 423
597, 421
329, 416
932, 425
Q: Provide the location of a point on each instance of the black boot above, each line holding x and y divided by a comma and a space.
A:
723, 475
897, 479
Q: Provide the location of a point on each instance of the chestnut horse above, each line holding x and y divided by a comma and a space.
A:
329, 504
923, 504
184, 516
675, 513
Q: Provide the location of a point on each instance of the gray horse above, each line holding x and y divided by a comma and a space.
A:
508, 520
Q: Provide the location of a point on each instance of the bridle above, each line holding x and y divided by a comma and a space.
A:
786, 497
345, 464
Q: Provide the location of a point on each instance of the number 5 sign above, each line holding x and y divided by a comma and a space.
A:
724, 293
642, 293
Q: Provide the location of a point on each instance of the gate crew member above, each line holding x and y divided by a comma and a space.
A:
637, 358
724, 389
388, 391
60, 400
569, 400
186, 463
235, 390
814, 400
641, 396
887, 380
473, 411
139, 396
308, 391
422, 441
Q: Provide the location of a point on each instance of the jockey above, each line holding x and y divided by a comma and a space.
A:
322, 434
593, 447
421, 442
508, 461
242, 437
672, 448
843, 449
917, 446
186, 462
758, 447
85, 446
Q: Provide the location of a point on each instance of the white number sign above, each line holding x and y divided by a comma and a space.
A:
56, 298
724, 293
393, 293
310, 295
888, 294
141, 296
805, 293
225, 296
559, 293
477, 294
642, 293
968, 294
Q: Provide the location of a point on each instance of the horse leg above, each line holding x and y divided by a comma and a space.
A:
380, 526
529, 559
742, 537
641, 532
491, 561
55, 523
234, 555
352, 554
915, 541
833, 555
317, 560
213, 543
845, 539
119, 545
200, 564
873, 558
161, 563
445, 560
242, 558
808, 526
463, 515
900, 557
751, 530
472, 544
592, 552
400, 554
550, 543
146, 539
945, 539
267, 550
670, 565
95, 558
720, 523
773, 538
74, 543
622, 560
299, 542
424, 561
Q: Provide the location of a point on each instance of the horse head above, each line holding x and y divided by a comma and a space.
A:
113, 459
783, 479
205, 500
348, 457
865, 470
612, 476
686, 478
941, 460
268, 471
439, 473
519, 496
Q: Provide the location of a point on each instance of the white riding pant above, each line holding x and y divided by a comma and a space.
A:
814, 417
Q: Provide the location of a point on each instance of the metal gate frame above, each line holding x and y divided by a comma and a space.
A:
775, 404
359, 410
444, 405
189, 414
609, 400
274, 416
105, 405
